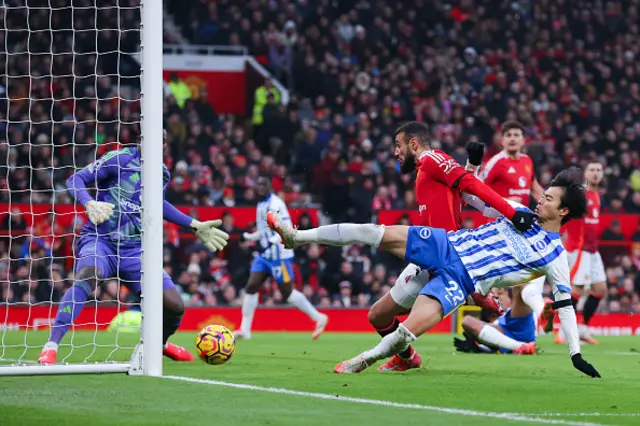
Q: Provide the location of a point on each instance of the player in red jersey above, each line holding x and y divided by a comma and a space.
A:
439, 182
510, 173
587, 269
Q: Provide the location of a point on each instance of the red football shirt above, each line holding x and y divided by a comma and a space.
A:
582, 234
440, 205
510, 177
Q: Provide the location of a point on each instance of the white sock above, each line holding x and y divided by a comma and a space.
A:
493, 337
533, 298
50, 346
249, 305
390, 344
342, 234
301, 302
583, 330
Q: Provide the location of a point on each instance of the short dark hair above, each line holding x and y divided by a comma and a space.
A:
415, 129
510, 125
573, 197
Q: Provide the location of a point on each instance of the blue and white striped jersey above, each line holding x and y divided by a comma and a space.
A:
272, 249
498, 255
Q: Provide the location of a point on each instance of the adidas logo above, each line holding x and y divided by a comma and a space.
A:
511, 170
522, 220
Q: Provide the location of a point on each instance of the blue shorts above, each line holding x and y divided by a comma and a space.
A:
280, 270
122, 261
522, 329
430, 249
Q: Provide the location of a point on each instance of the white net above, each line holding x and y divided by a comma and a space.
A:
69, 94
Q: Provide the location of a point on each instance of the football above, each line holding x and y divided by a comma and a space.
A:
215, 344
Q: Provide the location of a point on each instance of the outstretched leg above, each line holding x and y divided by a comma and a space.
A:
392, 239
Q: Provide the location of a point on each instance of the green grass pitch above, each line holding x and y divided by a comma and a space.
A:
543, 389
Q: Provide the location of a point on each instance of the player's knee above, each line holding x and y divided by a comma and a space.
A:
286, 291
377, 315
253, 285
90, 275
471, 324
174, 306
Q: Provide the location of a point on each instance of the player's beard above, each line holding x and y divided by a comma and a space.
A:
409, 164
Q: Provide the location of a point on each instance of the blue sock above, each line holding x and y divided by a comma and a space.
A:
70, 307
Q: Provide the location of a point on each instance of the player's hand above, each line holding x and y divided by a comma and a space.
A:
523, 221
99, 211
212, 237
580, 364
468, 345
475, 151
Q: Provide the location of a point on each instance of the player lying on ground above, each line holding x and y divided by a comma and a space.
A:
494, 255
274, 261
587, 269
514, 332
439, 182
110, 243
511, 174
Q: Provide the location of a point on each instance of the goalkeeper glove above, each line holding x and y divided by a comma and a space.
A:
99, 211
475, 151
580, 364
212, 237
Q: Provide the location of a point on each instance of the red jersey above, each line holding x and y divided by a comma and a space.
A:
439, 182
582, 234
439, 204
510, 177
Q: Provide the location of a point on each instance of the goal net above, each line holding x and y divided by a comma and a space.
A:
70, 98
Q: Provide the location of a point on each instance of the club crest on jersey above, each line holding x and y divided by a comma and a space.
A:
425, 233
422, 208
540, 245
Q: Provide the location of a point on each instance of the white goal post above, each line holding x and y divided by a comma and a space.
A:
26, 63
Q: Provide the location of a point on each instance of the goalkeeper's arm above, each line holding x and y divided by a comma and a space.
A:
212, 237
98, 211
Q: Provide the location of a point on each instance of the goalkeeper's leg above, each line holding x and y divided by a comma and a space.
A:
173, 310
70, 307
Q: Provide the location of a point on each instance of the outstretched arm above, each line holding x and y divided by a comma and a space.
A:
212, 237
173, 215
557, 273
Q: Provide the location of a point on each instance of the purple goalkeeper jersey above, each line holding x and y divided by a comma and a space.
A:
116, 179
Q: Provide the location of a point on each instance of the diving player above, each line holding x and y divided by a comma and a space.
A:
494, 255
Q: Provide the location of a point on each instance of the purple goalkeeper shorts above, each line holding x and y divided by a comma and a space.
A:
121, 261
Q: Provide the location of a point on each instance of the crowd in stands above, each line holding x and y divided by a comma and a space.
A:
356, 70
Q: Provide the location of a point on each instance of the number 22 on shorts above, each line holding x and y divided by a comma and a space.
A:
454, 293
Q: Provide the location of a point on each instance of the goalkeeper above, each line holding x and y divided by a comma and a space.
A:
110, 243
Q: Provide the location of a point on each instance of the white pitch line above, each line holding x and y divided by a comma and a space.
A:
461, 412
579, 414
